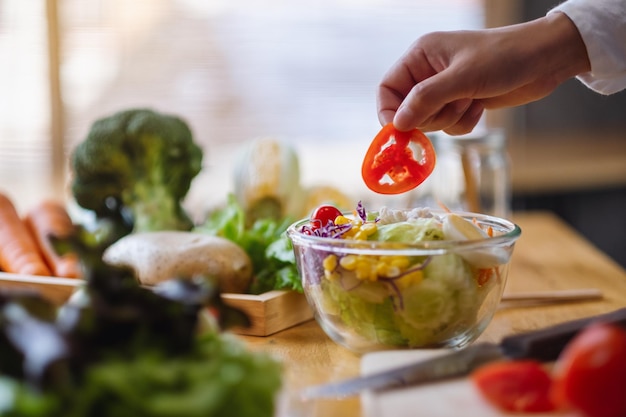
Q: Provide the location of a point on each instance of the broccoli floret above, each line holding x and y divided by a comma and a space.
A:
141, 159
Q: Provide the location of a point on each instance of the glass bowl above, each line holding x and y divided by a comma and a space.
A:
370, 295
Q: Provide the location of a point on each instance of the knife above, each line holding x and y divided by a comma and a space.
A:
543, 345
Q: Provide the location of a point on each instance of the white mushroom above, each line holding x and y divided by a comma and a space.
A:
161, 255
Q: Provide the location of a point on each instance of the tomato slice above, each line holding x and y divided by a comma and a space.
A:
516, 386
590, 373
323, 215
390, 167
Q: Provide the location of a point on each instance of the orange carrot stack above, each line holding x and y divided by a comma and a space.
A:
50, 218
19, 252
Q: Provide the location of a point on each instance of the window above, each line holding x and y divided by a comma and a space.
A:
234, 69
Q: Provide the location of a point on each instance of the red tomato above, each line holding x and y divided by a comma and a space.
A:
590, 374
324, 214
516, 386
389, 157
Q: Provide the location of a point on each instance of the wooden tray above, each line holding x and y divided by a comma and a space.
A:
270, 312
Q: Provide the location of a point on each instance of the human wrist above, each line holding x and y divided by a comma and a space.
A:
561, 46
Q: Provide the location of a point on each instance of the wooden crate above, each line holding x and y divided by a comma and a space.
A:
269, 312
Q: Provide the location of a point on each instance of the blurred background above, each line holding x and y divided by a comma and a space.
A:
303, 72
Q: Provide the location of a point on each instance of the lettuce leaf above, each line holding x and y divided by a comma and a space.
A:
422, 314
263, 239
410, 231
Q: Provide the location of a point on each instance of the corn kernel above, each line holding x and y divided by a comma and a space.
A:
352, 232
342, 220
381, 269
363, 269
392, 271
360, 235
401, 262
409, 279
348, 262
330, 262
331, 275
369, 228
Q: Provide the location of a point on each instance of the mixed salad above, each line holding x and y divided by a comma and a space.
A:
397, 299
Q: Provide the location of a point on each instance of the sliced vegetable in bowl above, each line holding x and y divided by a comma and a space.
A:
394, 279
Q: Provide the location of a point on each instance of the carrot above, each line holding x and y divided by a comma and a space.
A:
19, 253
50, 218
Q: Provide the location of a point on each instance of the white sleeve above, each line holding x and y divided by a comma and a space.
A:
602, 26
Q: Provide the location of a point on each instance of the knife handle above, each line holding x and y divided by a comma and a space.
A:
546, 344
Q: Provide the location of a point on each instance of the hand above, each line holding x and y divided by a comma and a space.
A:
446, 79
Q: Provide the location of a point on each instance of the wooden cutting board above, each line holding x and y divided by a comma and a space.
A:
443, 399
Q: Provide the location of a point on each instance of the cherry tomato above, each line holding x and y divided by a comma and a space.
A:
590, 373
324, 214
516, 386
389, 166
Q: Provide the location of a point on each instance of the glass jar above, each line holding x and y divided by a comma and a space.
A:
472, 174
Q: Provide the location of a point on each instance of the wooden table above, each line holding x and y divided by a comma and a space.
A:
550, 255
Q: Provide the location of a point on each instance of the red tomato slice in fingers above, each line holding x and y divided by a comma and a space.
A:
516, 386
590, 374
390, 167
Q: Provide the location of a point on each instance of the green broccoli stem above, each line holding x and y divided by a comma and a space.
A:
154, 208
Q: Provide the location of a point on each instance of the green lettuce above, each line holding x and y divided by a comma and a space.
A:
265, 242
369, 317
219, 378
127, 350
426, 313
412, 231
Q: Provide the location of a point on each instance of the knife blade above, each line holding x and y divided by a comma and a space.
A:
543, 345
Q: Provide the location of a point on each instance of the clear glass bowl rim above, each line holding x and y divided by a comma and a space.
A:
511, 232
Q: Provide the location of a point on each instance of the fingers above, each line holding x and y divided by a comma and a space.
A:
388, 102
468, 121
436, 103
400, 80
439, 84
532, 91
456, 118
413, 108
449, 114
424, 110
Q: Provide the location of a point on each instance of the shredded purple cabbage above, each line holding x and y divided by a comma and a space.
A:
331, 229
360, 210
